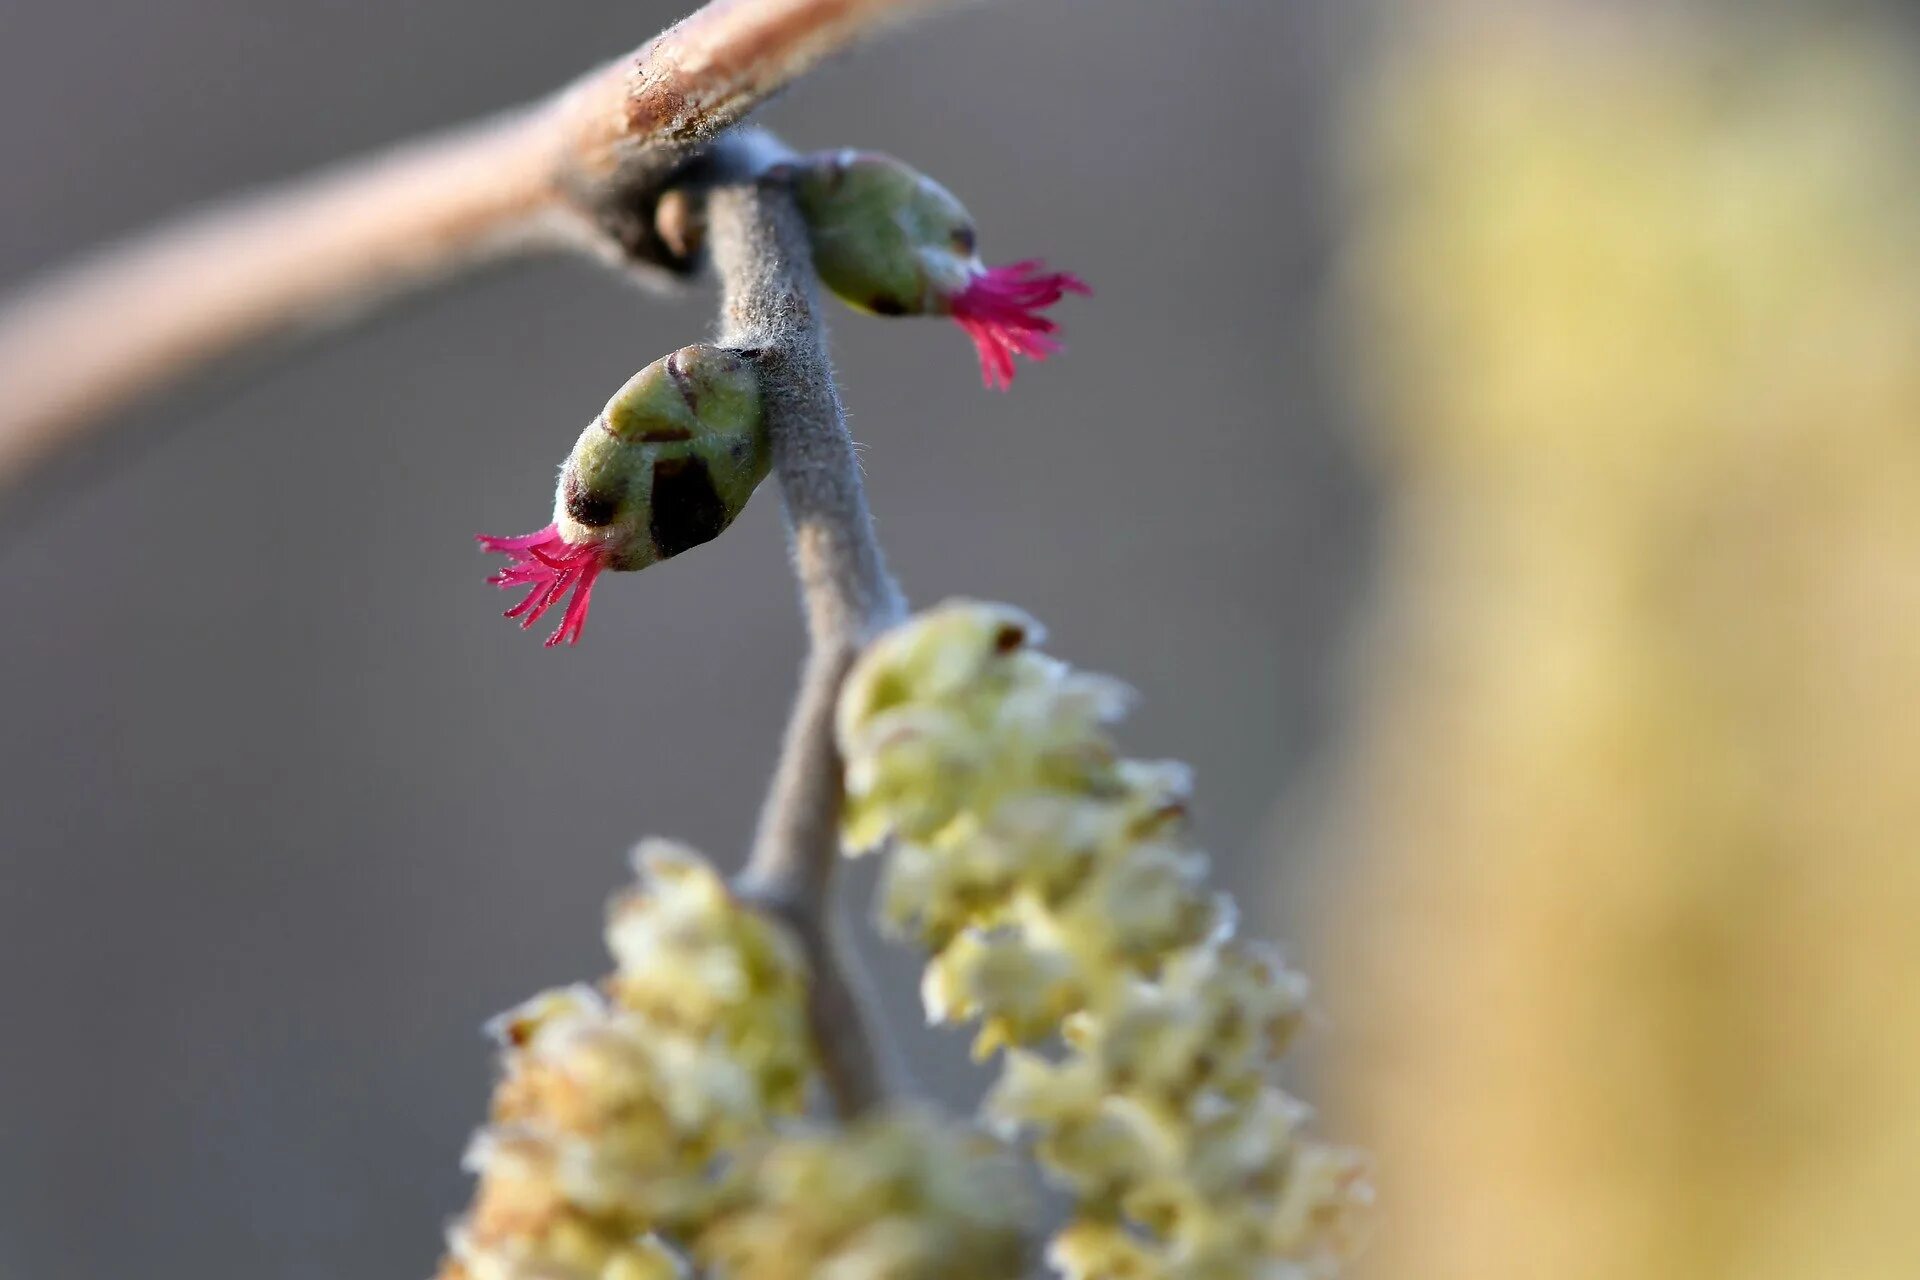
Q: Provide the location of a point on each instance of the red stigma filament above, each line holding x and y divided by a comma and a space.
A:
1000, 310
550, 568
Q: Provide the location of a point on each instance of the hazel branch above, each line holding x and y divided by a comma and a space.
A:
761, 253
582, 169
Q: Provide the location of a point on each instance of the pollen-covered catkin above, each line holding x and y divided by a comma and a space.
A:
1059, 893
619, 1106
655, 1122
896, 1197
1632, 804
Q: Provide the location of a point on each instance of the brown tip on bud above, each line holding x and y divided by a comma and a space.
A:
680, 223
510, 1030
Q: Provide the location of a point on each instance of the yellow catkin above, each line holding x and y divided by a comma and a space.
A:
1061, 897
618, 1107
656, 1121
901, 1196
1630, 928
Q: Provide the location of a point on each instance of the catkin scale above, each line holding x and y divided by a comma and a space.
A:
670, 462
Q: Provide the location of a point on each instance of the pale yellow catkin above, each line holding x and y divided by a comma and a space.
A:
1627, 948
617, 1106
1068, 915
656, 1123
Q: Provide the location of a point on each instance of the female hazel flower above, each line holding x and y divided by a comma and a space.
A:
892, 241
666, 466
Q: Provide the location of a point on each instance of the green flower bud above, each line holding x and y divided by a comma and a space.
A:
886, 237
669, 462
667, 465
890, 240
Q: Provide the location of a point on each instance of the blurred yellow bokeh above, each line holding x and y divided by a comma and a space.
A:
1625, 959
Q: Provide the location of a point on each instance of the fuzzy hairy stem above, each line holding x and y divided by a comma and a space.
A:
583, 169
761, 253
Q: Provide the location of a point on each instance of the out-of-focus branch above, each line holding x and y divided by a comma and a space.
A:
761, 253
582, 169
135, 317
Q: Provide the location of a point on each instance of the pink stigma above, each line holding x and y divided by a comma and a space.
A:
1000, 310
549, 567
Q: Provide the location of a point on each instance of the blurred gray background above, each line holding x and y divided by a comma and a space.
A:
286, 809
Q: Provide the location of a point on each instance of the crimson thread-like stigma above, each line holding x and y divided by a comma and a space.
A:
549, 567
1000, 310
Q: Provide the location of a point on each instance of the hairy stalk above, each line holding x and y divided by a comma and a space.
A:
761, 253
583, 169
